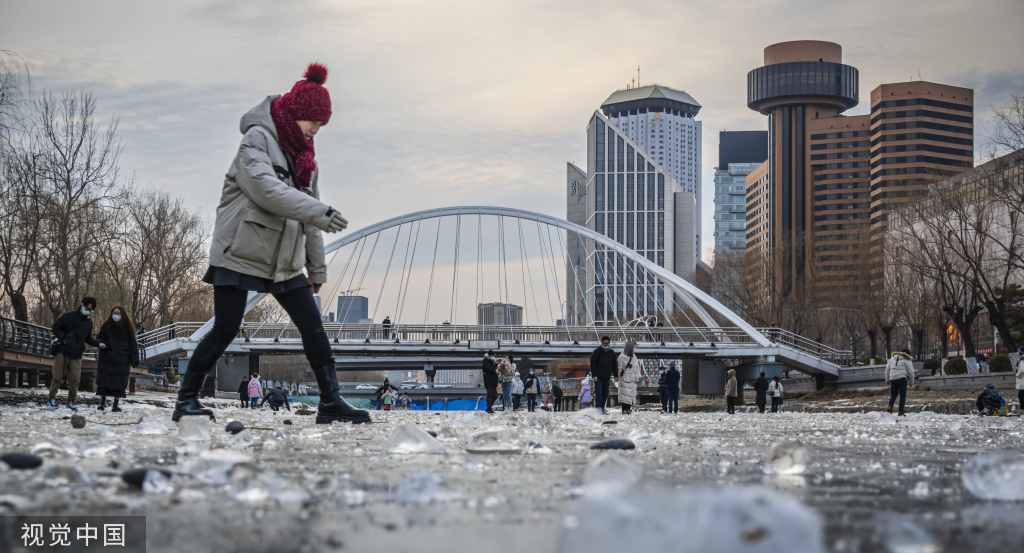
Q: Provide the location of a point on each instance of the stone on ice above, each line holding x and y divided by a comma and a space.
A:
21, 461
617, 443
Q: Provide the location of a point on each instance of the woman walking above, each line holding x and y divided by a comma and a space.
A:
119, 351
731, 391
776, 392
267, 239
532, 386
507, 375
899, 373
629, 377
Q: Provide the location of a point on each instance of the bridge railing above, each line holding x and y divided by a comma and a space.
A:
817, 349
25, 337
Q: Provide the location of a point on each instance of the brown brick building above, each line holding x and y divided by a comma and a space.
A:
829, 178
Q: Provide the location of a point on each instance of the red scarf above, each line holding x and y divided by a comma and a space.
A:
292, 141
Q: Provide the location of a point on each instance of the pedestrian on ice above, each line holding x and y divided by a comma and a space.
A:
490, 372
119, 352
389, 399
556, 391
386, 326
991, 403
507, 375
381, 390
1020, 379
243, 392
672, 378
549, 401
899, 373
532, 387
663, 390
731, 391
267, 238
604, 365
585, 392
776, 392
255, 390
761, 389
629, 377
518, 388
277, 398
72, 331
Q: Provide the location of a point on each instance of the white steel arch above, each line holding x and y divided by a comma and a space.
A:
689, 293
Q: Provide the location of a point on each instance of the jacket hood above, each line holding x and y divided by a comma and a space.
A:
259, 116
990, 387
901, 355
731, 373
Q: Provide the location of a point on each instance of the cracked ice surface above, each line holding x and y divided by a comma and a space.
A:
866, 485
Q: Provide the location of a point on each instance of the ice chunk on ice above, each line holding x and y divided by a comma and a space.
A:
475, 419
150, 428
166, 421
902, 535
251, 483
47, 449
496, 439
409, 438
737, 520
608, 473
225, 456
187, 450
534, 448
638, 434
63, 476
920, 491
194, 429
105, 430
241, 440
425, 488
665, 435
354, 497
956, 425
885, 418
156, 483
539, 421
786, 458
709, 443
997, 476
99, 449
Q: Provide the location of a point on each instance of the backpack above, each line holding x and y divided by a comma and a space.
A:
993, 402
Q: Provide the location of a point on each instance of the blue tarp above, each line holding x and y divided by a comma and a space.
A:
417, 404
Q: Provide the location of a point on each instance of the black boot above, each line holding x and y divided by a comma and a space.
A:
332, 407
115, 408
188, 398
103, 404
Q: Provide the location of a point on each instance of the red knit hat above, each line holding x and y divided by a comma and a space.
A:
309, 100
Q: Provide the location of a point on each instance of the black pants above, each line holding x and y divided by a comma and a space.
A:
558, 403
277, 405
229, 307
760, 406
245, 401
492, 396
1020, 400
730, 403
898, 387
673, 401
531, 402
516, 399
776, 404
664, 400
602, 402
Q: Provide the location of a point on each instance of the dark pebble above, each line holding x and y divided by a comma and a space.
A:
305, 412
432, 433
135, 477
287, 421
78, 421
610, 422
235, 427
65, 418
22, 461
618, 443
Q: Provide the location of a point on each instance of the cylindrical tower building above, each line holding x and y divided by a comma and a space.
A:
800, 80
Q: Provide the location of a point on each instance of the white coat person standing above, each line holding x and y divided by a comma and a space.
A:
629, 377
267, 238
776, 392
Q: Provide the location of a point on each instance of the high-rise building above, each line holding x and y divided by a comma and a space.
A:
576, 269
632, 199
499, 314
352, 309
660, 121
739, 153
828, 178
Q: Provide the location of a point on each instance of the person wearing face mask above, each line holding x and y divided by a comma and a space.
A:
629, 371
72, 331
267, 238
532, 386
604, 364
118, 353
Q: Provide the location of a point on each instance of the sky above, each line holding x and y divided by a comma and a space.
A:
448, 103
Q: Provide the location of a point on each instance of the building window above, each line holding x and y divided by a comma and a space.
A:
599, 223
630, 196
661, 236
620, 193
630, 157
620, 223
619, 158
661, 191
640, 191
650, 191
629, 230
640, 230
599, 193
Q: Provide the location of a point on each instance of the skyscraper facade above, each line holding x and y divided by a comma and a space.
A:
739, 153
830, 179
661, 121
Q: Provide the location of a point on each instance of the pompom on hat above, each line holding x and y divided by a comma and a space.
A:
309, 100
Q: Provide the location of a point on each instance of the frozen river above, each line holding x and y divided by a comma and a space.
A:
693, 482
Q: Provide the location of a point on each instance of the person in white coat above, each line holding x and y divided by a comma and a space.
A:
899, 374
518, 388
629, 377
776, 392
1020, 378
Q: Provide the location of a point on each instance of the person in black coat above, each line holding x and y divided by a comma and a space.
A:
490, 372
556, 391
243, 392
277, 397
672, 387
119, 351
761, 388
72, 331
604, 364
663, 391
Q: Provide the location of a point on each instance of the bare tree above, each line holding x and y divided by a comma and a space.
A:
1009, 132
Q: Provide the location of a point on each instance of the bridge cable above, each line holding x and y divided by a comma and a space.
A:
455, 269
359, 258
522, 261
404, 294
558, 285
387, 271
341, 278
615, 304
329, 265
547, 286
564, 249
433, 263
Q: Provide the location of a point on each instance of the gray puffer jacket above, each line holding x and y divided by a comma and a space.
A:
899, 366
266, 227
